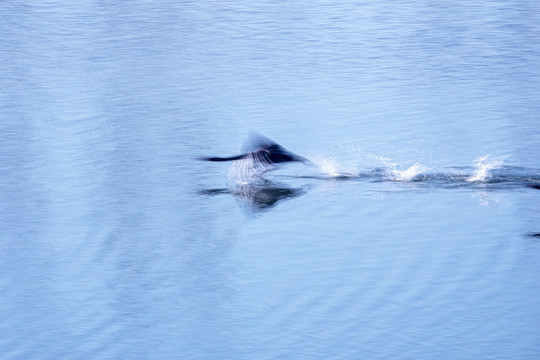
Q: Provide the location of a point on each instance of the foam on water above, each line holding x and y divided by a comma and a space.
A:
409, 174
330, 166
483, 166
333, 168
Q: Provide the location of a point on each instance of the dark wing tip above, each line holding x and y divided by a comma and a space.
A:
221, 158
204, 158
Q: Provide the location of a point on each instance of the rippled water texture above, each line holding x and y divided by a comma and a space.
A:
412, 233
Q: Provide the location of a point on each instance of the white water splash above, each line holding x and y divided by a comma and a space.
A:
331, 167
484, 165
408, 174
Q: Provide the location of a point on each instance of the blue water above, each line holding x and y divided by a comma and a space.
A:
414, 234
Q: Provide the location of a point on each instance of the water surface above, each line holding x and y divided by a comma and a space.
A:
414, 235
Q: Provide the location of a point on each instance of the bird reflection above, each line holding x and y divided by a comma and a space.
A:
259, 196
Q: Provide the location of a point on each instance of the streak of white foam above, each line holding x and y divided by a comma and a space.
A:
483, 166
331, 167
408, 174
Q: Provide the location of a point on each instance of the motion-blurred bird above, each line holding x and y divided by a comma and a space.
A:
260, 154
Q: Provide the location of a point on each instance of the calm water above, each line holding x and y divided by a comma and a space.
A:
414, 235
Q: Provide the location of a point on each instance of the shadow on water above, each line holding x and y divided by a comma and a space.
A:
259, 196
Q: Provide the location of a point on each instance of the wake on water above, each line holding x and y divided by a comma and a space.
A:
486, 169
332, 168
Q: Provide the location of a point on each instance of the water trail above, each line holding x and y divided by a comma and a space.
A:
356, 164
483, 166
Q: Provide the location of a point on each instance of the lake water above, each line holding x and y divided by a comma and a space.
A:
413, 235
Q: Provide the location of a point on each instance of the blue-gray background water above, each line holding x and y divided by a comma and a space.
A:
415, 234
